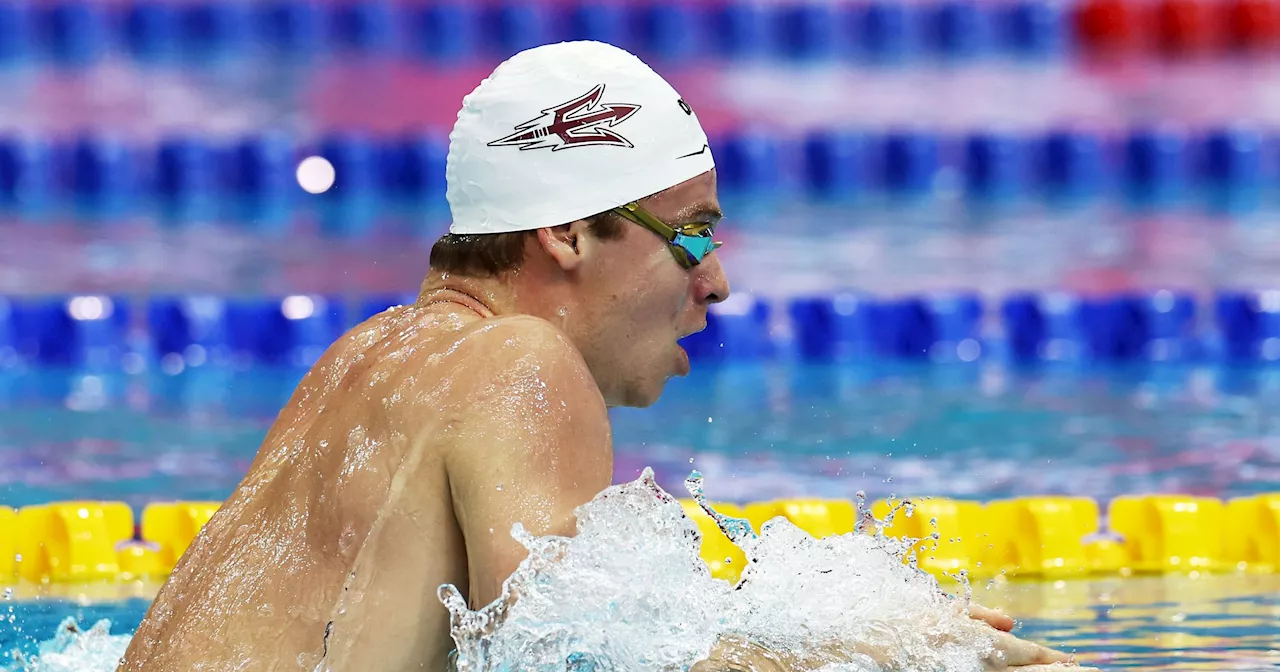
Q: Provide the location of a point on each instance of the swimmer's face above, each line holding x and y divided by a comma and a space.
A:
643, 302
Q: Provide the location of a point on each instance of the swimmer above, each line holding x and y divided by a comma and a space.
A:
583, 200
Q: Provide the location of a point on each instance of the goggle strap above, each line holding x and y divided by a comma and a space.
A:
633, 212
682, 245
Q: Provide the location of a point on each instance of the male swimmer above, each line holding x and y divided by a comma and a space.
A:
583, 198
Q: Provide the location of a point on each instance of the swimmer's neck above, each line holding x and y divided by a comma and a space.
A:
472, 301
498, 296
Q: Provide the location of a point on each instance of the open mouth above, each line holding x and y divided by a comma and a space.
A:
687, 334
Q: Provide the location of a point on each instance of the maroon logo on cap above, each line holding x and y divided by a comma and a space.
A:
580, 122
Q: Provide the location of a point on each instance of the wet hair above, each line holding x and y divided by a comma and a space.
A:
490, 254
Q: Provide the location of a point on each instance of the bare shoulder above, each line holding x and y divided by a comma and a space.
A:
530, 401
523, 358
531, 445
516, 335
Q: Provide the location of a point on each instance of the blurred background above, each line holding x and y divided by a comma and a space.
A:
980, 250
965, 236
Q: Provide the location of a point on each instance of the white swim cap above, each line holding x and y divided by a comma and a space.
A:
565, 131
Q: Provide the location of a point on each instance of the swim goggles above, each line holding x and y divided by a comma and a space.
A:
689, 244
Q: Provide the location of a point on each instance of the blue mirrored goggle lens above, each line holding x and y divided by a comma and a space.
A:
696, 246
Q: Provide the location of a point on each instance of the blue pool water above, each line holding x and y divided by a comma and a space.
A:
756, 431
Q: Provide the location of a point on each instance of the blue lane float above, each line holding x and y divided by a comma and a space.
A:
103, 174
27, 174
1163, 326
185, 170
994, 167
509, 27
70, 33
366, 28
292, 29
1042, 327
833, 328
261, 167
15, 33
256, 174
834, 164
1032, 29
149, 31
748, 162
284, 331
443, 31
959, 30
1225, 170
667, 31
412, 167
808, 31
80, 331
1155, 167
1071, 166
907, 163
600, 22
738, 31
78, 33
213, 31
193, 329
1232, 167
930, 328
737, 330
1249, 323
883, 32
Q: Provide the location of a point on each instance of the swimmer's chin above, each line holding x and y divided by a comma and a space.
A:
646, 394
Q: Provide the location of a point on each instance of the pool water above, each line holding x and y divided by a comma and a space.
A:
1215, 623
756, 431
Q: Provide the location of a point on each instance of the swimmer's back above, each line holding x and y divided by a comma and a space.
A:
333, 546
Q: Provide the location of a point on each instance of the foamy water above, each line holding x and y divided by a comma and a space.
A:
73, 649
630, 592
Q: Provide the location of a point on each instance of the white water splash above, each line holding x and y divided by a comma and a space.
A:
76, 650
630, 593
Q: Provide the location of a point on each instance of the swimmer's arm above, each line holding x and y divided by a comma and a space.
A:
732, 653
537, 448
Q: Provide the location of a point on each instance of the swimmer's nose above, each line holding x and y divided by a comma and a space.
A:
710, 284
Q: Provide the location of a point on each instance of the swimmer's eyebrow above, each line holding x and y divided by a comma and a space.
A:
704, 214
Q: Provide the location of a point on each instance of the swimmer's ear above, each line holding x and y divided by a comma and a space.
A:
564, 244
